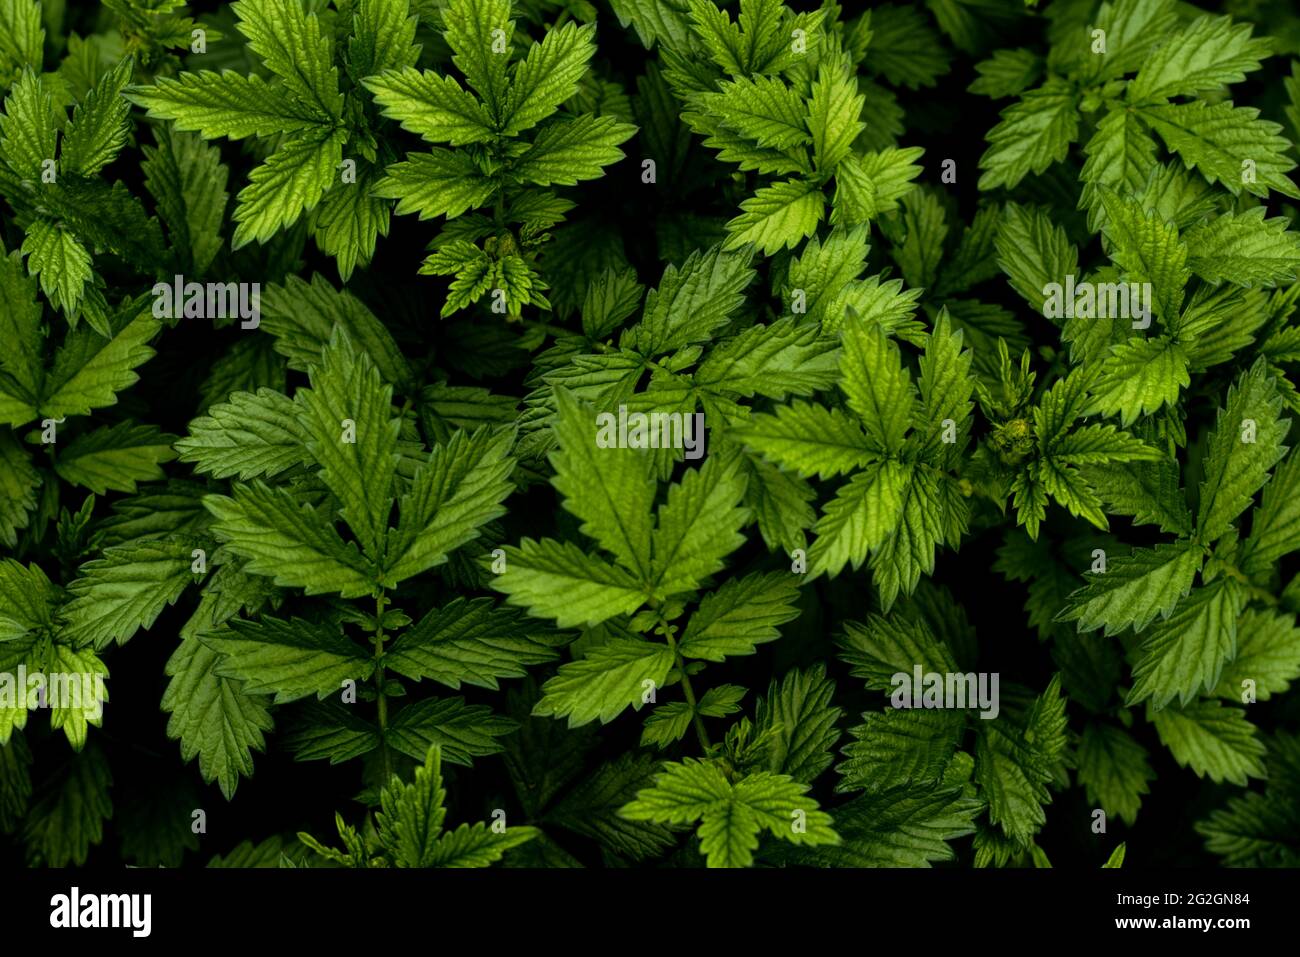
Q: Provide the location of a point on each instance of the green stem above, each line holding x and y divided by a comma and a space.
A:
696, 719
381, 700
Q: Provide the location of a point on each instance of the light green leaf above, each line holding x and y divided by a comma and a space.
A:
1185, 653
125, 590
603, 684
291, 658
1246, 442
1213, 739
740, 615
1134, 589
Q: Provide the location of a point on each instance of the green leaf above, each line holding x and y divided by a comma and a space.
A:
188, 180
807, 438
1135, 588
899, 747
559, 580
798, 716
1114, 770
291, 658
115, 458
740, 615
352, 435
1275, 525
1185, 653
879, 390
124, 590
247, 436
1033, 133
698, 525
1139, 377
453, 494
1268, 656
861, 518
777, 217
786, 357
833, 111
690, 303
225, 104
1245, 249
288, 184
463, 732
22, 369
99, 125
731, 815
1216, 137
1148, 491
1246, 442
946, 387
438, 183
868, 185
468, 26
212, 716
603, 684
610, 489
28, 135
1208, 53
410, 822
1149, 251
431, 106
567, 151
61, 262
19, 481
383, 37
22, 36
289, 541
1121, 156
1034, 252
302, 316
473, 642
89, 369
762, 109
68, 817
904, 48
547, 76
1006, 73
297, 48
1213, 739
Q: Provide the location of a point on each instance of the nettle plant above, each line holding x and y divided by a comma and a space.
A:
670, 501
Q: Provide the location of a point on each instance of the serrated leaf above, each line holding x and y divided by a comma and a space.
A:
1185, 653
1134, 589
740, 615
247, 436
1114, 770
777, 217
1213, 739
603, 684
1246, 442
115, 458
291, 658
1033, 133
473, 642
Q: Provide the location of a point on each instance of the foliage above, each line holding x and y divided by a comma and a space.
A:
745, 363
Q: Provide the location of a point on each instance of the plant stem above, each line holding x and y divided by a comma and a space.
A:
381, 700
696, 719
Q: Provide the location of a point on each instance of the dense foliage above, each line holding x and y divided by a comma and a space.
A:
989, 311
